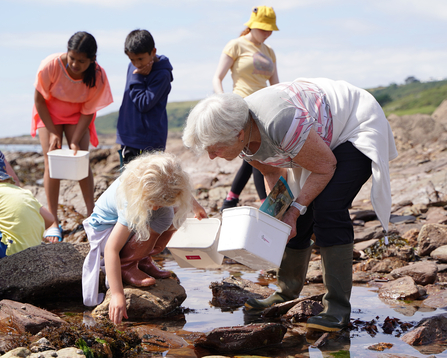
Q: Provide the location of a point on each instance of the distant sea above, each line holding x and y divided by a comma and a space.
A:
21, 148
33, 147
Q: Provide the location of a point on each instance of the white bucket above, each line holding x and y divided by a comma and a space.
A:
65, 165
253, 238
194, 244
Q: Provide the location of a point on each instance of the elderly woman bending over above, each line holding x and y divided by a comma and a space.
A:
327, 138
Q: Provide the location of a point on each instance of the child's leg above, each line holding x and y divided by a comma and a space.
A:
131, 254
148, 265
51, 185
87, 184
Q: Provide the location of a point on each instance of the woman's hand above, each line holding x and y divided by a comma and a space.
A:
117, 308
199, 211
75, 147
55, 142
290, 218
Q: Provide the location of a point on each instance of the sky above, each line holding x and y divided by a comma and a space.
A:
367, 43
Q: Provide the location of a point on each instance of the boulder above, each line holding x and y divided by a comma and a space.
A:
145, 303
158, 338
303, 310
431, 237
423, 273
234, 291
69, 352
242, 338
27, 318
403, 288
429, 330
48, 272
437, 300
440, 113
440, 253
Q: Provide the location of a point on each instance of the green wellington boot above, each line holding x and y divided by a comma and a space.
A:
291, 278
337, 278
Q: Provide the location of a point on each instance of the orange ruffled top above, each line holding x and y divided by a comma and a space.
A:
67, 98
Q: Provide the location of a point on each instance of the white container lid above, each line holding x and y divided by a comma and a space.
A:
196, 233
68, 153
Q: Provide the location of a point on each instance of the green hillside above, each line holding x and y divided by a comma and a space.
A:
411, 98
416, 97
177, 113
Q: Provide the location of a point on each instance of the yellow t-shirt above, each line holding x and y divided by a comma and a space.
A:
21, 224
253, 65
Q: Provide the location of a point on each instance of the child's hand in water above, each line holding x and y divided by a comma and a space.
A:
144, 70
117, 308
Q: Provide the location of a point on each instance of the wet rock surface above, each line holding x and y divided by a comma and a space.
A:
427, 331
417, 235
234, 291
47, 272
243, 338
144, 303
26, 317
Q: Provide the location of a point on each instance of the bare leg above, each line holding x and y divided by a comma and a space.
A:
87, 184
51, 185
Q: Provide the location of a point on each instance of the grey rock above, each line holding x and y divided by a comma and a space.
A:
242, 338
147, 302
429, 330
303, 310
440, 253
234, 291
403, 288
431, 237
423, 273
28, 318
47, 272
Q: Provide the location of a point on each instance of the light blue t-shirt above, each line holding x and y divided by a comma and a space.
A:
106, 213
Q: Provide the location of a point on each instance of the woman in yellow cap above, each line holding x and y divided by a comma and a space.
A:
252, 64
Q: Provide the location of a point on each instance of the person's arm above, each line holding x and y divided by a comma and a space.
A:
44, 114
80, 130
271, 174
116, 241
274, 79
225, 63
11, 172
146, 95
317, 157
198, 210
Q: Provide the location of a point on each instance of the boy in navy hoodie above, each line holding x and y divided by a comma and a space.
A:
142, 120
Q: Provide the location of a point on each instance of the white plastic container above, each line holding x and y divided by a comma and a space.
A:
253, 238
195, 244
64, 165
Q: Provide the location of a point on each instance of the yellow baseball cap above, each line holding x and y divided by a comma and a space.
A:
262, 17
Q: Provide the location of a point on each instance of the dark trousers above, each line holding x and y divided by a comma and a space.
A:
128, 153
328, 215
242, 177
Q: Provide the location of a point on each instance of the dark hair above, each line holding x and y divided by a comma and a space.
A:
83, 42
139, 41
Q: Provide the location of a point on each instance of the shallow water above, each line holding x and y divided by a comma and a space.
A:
201, 316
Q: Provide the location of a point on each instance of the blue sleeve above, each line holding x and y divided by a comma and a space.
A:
146, 91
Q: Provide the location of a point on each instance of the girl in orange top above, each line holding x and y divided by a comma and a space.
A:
70, 88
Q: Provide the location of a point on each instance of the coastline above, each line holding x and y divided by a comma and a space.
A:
104, 139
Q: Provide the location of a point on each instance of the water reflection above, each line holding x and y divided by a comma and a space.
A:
366, 307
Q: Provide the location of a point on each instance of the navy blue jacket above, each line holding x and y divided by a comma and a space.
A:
142, 120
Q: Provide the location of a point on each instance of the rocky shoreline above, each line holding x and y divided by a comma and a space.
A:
412, 267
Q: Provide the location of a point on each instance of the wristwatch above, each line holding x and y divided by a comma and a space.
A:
302, 209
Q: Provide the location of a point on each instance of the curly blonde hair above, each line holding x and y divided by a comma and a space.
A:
151, 180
